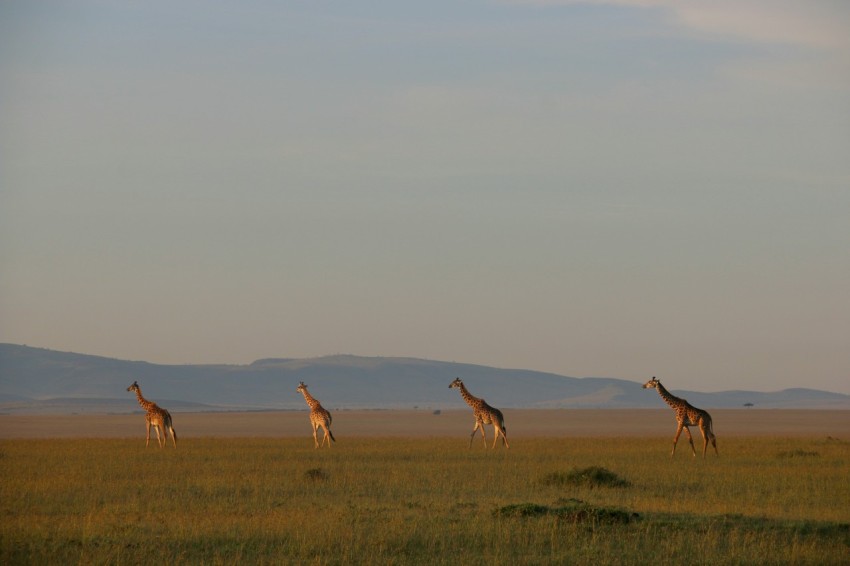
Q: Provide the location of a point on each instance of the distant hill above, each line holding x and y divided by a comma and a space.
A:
37, 380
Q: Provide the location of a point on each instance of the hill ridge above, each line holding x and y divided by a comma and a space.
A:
32, 378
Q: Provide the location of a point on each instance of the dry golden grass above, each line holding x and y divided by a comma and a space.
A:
423, 500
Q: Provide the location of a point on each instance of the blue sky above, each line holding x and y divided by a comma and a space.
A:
621, 188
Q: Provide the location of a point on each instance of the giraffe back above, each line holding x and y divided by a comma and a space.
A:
318, 414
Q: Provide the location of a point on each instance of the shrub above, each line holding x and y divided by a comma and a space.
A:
574, 511
593, 476
799, 453
316, 474
522, 510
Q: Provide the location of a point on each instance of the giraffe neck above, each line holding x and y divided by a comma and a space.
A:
470, 399
669, 398
311, 401
146, 405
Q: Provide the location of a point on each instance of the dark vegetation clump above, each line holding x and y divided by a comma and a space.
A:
522, 510
594, 476
580, 512
799, 453
316, 475
788, 529
571, 511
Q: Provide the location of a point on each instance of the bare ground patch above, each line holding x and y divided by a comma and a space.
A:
520, 423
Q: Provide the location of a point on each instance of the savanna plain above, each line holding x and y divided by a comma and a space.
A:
606, 495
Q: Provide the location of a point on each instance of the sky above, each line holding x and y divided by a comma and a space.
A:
620, 188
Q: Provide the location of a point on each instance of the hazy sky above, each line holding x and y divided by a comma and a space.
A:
598, 188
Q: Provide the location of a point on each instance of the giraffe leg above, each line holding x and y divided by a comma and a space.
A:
691, 440
173, 436
148, 436
315, 435
483, 434
676, 438
495, 435
474, 430
497, 432
710, 429
158, 439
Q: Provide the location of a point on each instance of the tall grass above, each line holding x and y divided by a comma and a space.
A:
422, 501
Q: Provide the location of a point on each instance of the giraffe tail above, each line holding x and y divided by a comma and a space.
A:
502, 423
331, 435
169, 426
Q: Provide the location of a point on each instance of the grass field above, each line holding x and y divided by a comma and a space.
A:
371, 500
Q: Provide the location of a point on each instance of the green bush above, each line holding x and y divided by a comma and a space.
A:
593, 476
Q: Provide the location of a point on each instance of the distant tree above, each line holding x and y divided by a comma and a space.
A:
748, 405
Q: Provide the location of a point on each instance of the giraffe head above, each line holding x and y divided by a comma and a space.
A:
652, 383
301, 387
456, 383
134, 387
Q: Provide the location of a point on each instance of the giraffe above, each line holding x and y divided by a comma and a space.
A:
484, 414
319, 417
686, 415
157, 417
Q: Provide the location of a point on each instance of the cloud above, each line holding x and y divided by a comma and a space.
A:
814, 23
